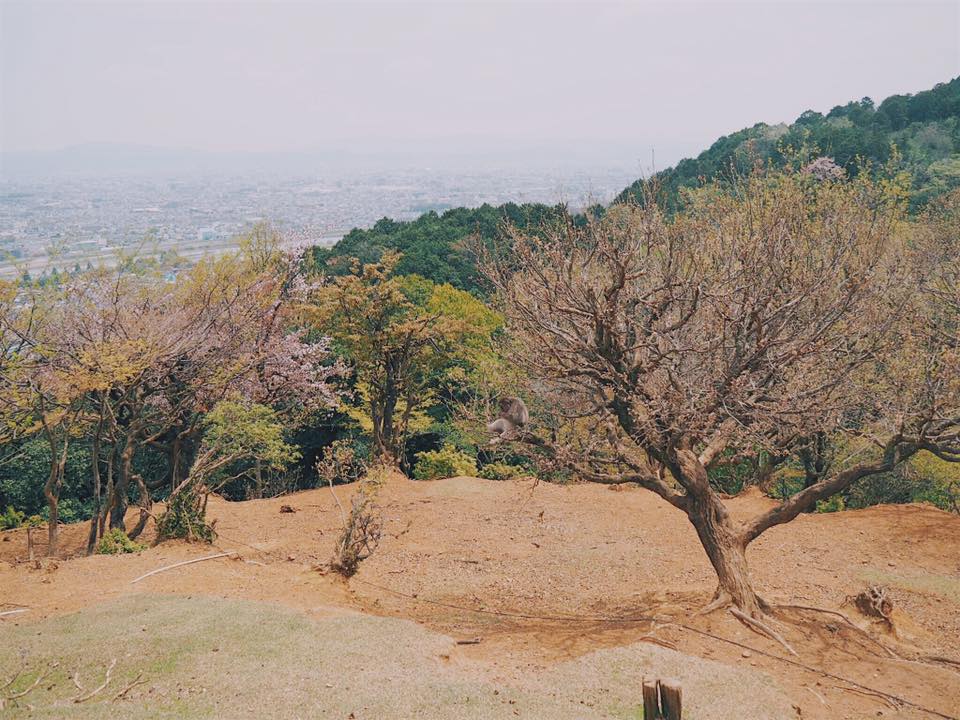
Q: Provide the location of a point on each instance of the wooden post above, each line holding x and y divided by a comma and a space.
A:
30, 542
670, 697
661, 700
651, 702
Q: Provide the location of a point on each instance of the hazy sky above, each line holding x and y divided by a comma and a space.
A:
268, 76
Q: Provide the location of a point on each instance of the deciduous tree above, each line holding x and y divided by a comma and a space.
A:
769, 311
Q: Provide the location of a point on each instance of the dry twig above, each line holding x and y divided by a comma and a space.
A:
106, 681
180, 564
137, 681
39, 679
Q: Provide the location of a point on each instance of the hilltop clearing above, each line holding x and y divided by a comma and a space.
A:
561, 583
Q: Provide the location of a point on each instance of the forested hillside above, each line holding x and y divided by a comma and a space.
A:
924, 129
921, 132
432, 245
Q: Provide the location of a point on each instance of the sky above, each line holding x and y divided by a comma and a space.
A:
628, 77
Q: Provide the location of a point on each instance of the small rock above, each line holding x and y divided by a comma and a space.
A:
746, 654
291, 558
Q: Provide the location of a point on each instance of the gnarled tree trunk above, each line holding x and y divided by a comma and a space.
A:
51, 490
119, 509
722, 538
723, 542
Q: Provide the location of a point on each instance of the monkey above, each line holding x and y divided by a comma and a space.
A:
513, 416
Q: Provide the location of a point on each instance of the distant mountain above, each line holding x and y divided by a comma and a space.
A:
924, 128
109, 159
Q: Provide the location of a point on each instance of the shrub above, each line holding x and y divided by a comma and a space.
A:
11, 519
186, 518
360, 534
502, 471
833, 504
443, 463
341, 463
116, 542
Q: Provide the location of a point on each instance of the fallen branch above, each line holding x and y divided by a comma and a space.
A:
76, 680
40, 678
106, 681
470, 641
757, 625
14, 612
818, 695
12, 680
185, 562
137, 681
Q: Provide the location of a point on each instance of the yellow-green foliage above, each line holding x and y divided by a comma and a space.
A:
502, 471
939, 480
237, 430
116, 542
11, 519
405, 337
443, 463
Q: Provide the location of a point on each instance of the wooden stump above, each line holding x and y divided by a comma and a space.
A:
662, 700
670, 697
651, 701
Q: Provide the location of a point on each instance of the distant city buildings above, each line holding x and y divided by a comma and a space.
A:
61, 222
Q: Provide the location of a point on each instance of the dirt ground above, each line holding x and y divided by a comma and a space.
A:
569, 582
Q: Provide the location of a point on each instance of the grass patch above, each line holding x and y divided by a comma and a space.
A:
925, 584
213, 658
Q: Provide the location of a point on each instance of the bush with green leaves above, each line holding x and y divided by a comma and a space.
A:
186, 518
116, 542
11, 518
502, 471
443, 463
832, 504
70, 510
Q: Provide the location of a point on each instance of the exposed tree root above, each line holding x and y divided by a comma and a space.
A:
943, 660
762, 628
848, 621
891, 701
657, 641
721, 599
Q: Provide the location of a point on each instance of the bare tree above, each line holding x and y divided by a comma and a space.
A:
764, 314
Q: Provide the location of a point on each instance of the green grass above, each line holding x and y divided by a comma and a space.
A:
213, 658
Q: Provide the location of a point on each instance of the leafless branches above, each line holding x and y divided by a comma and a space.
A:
763, 318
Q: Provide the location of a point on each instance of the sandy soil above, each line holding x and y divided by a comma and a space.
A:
548, 574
